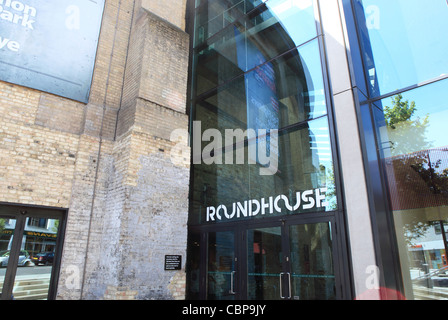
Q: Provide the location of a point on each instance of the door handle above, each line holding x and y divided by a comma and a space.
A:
289, 285
232, 274
281, 288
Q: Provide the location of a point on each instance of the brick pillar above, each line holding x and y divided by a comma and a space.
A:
129, 202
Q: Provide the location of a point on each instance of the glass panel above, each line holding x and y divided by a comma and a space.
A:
36, 259
411, 129
264, 263
296, 17
218, 62
7, 226
401, 41
312, 271
252, 42
275, 95
221, 266
305, 167
250, 4
287, 91
194, 260
215, 15
293, 19
304, 180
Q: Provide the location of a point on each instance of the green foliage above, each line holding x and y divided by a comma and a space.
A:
406, 134
401, 111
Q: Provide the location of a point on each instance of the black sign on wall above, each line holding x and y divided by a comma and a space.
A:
173, 262
50, 45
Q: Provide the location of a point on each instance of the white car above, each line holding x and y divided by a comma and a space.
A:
24, 258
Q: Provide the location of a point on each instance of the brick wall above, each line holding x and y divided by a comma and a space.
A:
109, 162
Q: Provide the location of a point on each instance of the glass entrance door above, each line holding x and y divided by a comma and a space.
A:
291, 259
264, 263
29, 249
221, 266
311, 273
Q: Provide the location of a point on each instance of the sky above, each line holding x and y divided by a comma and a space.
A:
410, 45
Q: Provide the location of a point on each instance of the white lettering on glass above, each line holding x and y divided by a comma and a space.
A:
308, 199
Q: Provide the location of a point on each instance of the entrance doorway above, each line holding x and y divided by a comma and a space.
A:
30, 247
290, 259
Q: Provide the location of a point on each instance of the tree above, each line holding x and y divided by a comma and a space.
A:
406, 135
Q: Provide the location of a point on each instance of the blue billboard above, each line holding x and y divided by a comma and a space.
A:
50, 45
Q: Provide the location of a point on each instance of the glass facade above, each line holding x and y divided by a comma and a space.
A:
263, 157
260, 70
404, 111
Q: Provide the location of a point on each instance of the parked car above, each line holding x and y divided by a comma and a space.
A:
24, 258
45, 258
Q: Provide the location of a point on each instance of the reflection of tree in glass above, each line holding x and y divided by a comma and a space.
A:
419, 179
329, 182
436, 180
406, 134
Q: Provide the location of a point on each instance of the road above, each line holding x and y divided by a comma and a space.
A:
21, 271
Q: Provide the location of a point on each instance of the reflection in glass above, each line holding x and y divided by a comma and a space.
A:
285, 91
264, 263
401, 41
304, 165
415, 156
7, 226
246, 43
39, 243
221, 268
214, 15
291, 20
312, 271
193, 267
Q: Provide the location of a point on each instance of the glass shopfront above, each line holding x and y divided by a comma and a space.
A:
265, 218
30, 249
404, 111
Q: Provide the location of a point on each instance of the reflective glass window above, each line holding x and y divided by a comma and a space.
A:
221, 265
259, 70
251, 40
215, 15
294, 17
411, 127
303, 179
403, 42
274, 95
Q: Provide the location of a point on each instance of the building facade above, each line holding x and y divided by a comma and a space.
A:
223, 149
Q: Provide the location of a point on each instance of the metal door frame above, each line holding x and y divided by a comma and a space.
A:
339, 250
20, 213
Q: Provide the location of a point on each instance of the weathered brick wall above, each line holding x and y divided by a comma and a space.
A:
139, 187
109, 162
37, 163
173, 10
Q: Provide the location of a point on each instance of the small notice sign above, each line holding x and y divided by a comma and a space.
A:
173, 262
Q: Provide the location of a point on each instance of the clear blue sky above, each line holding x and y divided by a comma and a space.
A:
410, 45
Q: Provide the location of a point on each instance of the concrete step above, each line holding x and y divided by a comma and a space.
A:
34, 287
435, 293
33, 296
31, 289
